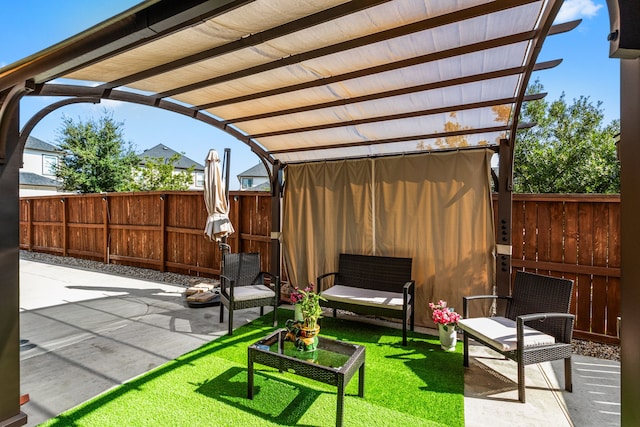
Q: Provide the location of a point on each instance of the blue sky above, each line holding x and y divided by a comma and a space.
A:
37, 24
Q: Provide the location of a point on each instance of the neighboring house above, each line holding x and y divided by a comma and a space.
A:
184, 163
38, 175
255, 179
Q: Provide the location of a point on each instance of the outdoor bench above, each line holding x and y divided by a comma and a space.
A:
374, 285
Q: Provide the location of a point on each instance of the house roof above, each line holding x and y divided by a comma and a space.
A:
30, 178
163, 152
38, 144
255, 171
263, 186
325, 79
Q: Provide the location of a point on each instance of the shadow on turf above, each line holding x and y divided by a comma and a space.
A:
428, 364
275, 399
71, 417
231, 386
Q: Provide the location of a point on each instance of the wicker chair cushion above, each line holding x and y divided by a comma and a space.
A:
363, 296
500, 332
251, 292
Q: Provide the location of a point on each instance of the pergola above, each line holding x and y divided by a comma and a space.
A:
297, 82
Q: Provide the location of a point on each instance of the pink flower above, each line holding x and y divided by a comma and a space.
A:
309, 303
443, 315
297, 295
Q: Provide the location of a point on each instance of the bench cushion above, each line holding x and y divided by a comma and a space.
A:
361, 296
500, 332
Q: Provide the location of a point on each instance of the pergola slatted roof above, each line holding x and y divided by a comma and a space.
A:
297, 81
315, 79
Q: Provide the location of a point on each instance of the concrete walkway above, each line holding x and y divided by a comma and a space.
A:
85, 332
491, 392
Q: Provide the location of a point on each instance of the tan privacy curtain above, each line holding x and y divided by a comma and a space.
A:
434, 208
327, 210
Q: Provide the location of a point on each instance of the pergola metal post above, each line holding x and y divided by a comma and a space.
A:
505, 200
276, 197
10, 414
630, 239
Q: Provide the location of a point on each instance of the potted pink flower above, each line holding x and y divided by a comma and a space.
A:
447, 319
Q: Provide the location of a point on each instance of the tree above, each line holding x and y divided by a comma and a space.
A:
157, 174
96, 157
568, 151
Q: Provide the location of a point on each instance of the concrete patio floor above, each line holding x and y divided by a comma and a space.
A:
491, 392
84, 332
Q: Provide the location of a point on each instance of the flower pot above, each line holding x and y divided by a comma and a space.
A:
306, 332
307, 339
448, 337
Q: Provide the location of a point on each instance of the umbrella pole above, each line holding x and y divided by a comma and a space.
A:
224, 248
226, 161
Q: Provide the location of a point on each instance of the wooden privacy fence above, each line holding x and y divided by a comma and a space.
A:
157, 230
574, 236
577, 237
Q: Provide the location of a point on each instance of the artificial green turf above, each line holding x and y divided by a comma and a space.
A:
416, 385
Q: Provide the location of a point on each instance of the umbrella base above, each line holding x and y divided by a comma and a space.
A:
205, 299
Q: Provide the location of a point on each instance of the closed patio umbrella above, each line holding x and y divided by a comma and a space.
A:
218, 224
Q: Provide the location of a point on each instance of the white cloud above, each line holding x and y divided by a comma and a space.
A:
112, 104
576, 9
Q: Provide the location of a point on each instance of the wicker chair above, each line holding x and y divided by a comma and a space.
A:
242, 285
536, 326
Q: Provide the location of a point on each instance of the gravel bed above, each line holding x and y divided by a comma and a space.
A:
594, 349
581, 347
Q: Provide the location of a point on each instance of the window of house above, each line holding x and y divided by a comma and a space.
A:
199, 179
49, 164
247, 182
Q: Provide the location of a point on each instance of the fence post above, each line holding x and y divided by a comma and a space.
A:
236, 215
105, 228
64, 227
29, 225
163, 233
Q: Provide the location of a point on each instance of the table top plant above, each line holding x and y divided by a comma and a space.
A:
309, 302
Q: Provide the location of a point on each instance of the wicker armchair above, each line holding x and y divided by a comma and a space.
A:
536, 326
242, 285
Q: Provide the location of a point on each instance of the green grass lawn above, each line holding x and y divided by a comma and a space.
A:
416, 385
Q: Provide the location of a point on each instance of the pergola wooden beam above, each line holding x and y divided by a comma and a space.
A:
355, 43
419, 113
421, 59
143, 23
409, 138
252, 40
391, 93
